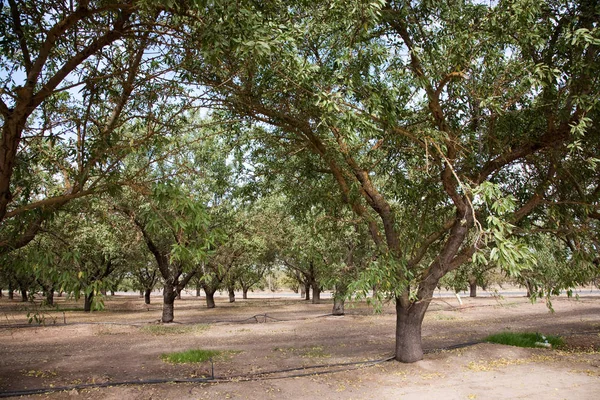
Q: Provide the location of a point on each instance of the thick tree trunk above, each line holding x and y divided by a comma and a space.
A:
231, 295
168, 303
307, 291
1, 295
244, 293
473, 288
147, 293
316, 294
24, 297
338, 306
87, 302
408, 331
210, 299
50, 297
339, 298
11, 292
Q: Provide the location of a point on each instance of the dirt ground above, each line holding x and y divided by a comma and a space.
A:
277, 345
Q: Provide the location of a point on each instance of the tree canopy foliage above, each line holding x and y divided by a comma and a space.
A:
453, 134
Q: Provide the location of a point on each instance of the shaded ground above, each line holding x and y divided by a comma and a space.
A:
124, 343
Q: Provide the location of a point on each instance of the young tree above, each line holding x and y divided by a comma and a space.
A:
176, 229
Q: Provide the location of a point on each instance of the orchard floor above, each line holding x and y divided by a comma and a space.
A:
125, 342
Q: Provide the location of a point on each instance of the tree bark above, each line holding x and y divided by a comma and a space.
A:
50, 297
1, 294
147, 293
244, 293
168, 303
87, 302
231, 295
23, 295
198, 291
472, 288
210, 298
11, 291
338, 306
307, 291
316, 293
339, 298
408, 331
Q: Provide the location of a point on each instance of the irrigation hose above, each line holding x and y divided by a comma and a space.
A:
256, 376
266, 375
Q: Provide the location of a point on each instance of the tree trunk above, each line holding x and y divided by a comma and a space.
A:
50, 297
473, 288
11, 292
141, 293
23, 295
147, 293
302, 291
316, 294
529, 288
198, 291
112, 292
1, 295
244, 293
231, 294
210, 299
87, 302
339, 298
103, 291
168, 303
307, 291
338, 306
178, 294
408, 331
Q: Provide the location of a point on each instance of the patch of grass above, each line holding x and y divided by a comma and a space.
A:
196, 356
161, 330
524, 339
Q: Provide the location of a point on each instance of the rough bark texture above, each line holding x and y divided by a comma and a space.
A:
50, 297
231, 295
147, 296
316, 294
11, 294
198, 291
408, 331
472, 289
87, 302
168, 303
210, 299
338, 306
244, 294
307, 291
24, 297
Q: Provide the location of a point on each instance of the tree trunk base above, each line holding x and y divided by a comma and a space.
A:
338, 307
409, 347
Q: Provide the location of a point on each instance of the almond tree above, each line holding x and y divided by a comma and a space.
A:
446, 127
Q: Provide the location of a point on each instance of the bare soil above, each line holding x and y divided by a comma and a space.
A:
123, 343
